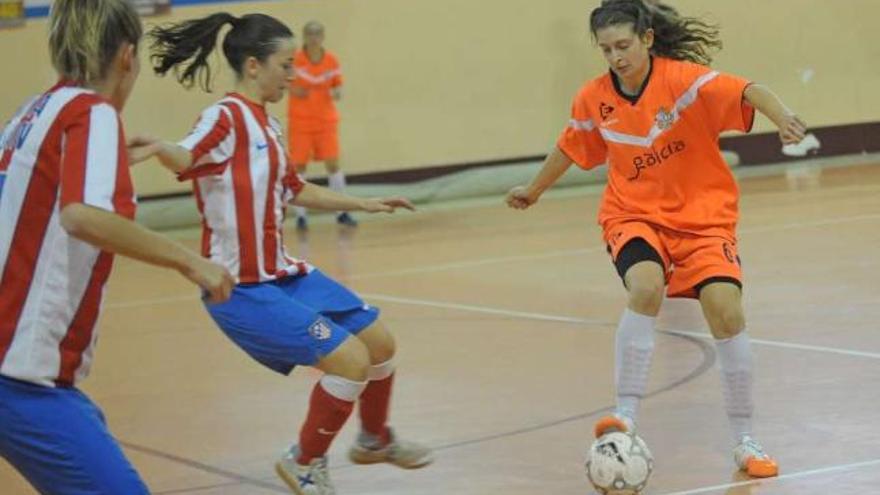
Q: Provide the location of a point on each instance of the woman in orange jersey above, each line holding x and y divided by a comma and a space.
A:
669, 210
313, 120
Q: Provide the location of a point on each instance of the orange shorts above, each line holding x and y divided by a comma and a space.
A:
689, 260
306, 146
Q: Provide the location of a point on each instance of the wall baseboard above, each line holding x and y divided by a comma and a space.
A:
848, 139
752, 149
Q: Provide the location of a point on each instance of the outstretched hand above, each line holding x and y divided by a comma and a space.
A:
387, 205
142, 148
214, 279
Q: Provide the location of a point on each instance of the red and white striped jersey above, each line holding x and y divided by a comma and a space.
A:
65, 146
242, 184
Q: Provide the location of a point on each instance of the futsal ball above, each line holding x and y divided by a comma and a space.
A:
619, 464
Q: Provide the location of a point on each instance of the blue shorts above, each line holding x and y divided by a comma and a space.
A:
57, 439
295, 320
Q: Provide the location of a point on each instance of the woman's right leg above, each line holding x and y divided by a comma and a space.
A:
634, 340
333, 397
643, 272
304, 466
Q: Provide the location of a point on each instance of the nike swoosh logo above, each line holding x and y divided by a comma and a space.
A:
262, 146
322, 431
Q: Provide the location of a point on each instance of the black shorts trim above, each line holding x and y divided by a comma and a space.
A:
635, 251
712, 280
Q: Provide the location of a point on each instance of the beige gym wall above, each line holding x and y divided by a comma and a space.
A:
435, 82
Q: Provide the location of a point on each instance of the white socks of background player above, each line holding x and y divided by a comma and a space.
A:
336, 181
735, 358
634, 347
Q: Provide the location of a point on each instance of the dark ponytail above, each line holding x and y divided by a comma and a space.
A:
253, 35
675, 36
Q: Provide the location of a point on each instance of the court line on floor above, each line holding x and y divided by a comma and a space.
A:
706, 363
504, 259
605, 323
796, 475
477, 262
790, 345
486, 310
237, 479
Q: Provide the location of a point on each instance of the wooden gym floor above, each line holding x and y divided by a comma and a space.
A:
505, 326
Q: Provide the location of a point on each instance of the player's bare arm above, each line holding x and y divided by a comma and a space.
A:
174, 157
791, 128
556, 164
314, 196
115, 234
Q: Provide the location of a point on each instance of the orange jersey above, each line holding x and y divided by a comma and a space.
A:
664, 163
316, 109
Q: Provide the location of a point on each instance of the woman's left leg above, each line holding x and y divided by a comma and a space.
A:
722, 307
377, 441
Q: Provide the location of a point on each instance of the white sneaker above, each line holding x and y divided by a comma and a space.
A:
401, 453
311, 479
750, 457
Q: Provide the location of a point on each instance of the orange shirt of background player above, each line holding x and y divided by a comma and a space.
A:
316, 110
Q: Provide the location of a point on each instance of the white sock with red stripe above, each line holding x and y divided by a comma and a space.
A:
336, 181
735, 358
634, 347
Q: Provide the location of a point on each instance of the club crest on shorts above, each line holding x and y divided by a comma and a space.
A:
664, 119
320, 330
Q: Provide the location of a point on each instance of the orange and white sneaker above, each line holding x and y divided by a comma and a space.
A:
751, 458
614, 422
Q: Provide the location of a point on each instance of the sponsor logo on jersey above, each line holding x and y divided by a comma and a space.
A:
656, 157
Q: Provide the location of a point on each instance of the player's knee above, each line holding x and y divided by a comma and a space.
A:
645, 297
727, 323
383, 350
350, 361
360, 361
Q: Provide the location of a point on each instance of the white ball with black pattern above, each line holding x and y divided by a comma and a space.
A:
619, 464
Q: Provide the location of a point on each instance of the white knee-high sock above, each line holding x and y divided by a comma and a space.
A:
634, 347
336, 181
735, 358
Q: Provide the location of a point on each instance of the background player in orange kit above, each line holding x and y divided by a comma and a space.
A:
313, 120
669, 210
